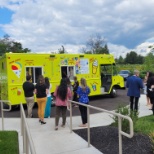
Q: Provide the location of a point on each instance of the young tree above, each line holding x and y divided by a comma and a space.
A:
140, 59
120, 60
62, 50
96, 45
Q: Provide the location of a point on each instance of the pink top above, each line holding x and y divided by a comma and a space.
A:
59, 102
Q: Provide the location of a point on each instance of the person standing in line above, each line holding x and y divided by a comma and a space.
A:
148, 74
62, 94
48, 103
145, 89
28, 88
41, 92
75, 87
83, 91
134, 84
150, 90
148, 86
69, 85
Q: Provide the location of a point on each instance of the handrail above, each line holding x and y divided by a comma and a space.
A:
27, 139
2, 110
120, 116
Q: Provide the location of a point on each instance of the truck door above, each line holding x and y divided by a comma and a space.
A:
106, 77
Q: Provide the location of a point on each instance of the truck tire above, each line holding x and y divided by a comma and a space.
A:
113, 92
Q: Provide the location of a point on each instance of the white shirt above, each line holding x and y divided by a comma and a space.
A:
49, 94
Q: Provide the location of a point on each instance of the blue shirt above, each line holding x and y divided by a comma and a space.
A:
83, 95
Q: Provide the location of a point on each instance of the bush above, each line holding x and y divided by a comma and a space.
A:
124, 110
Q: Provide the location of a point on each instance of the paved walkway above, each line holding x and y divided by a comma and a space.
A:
47, 140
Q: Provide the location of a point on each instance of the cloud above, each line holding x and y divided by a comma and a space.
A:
47, 25
118, 50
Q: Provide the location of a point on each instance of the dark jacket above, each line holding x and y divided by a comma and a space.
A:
134, 84
150, 91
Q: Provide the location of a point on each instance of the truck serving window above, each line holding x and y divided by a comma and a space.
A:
67, 71
34, 72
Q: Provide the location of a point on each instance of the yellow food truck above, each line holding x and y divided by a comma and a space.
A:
98, 69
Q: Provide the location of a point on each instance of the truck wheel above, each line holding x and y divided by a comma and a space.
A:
113, 92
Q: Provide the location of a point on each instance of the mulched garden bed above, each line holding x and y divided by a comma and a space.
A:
106, 140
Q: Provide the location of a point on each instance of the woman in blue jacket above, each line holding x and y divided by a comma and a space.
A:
83, 91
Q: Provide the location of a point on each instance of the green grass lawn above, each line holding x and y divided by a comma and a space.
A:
9, 142
145, 125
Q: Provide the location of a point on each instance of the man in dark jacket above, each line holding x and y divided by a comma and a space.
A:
134, 84
28, 88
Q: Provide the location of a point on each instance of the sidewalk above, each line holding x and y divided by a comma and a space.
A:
47, 140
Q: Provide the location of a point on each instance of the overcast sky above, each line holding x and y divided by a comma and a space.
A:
46, 25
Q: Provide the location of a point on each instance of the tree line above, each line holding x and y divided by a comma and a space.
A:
131, 58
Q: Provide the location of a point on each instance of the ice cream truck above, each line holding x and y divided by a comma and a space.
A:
98, 69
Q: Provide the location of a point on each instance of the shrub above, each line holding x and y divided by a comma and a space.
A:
124, 110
